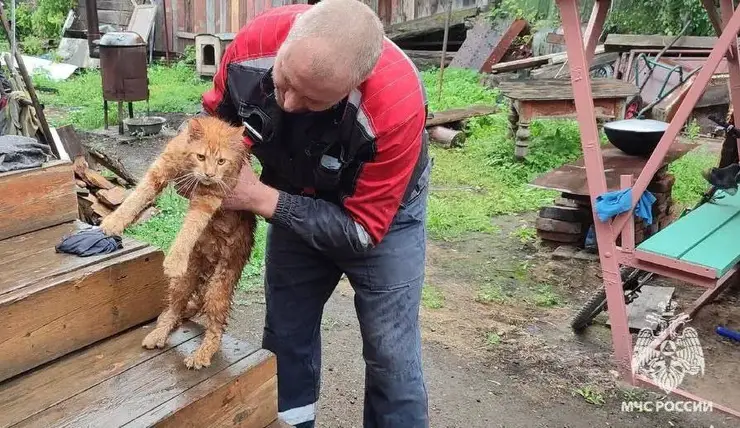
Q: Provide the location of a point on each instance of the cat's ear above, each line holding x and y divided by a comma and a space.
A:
195, 129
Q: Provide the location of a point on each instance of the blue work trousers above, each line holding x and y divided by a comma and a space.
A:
387, 282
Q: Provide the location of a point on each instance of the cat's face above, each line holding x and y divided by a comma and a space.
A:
215, 151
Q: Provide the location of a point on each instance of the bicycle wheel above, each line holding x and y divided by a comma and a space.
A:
597, 302
589, 311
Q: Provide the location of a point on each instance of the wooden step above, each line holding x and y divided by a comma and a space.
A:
33, 199
117, 383
53, 303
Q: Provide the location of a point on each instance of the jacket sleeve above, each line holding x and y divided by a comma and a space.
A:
366, 216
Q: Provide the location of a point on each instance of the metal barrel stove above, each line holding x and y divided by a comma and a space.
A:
123, 66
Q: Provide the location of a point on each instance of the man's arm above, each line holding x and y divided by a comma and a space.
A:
367, 215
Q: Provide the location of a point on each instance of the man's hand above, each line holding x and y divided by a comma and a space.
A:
250, 194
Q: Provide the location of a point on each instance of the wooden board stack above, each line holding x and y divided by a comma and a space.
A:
570, 218
98, 196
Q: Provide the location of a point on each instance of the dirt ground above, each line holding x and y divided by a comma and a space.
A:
498, 349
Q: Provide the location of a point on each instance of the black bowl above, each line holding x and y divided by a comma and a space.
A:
636, 137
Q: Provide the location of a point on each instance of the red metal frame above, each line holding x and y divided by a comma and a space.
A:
580, 50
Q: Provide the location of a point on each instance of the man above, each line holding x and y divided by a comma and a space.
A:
335, 113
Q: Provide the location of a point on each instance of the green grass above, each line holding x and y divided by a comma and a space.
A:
486, 162
590, 395
162, 229
432, 297
690, 184
490, 293
80, 98
492, 339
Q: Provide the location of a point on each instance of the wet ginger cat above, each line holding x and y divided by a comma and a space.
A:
213, 245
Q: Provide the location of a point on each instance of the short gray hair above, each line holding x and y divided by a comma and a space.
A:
350, 28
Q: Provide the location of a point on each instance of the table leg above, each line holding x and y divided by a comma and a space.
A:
105, 113
513, 121
522, 140
120, 117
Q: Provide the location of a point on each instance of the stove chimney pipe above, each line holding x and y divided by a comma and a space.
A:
93, 28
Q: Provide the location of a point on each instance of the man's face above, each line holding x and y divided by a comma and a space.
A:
297, 89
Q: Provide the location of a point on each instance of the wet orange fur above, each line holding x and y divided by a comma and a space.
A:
213, 245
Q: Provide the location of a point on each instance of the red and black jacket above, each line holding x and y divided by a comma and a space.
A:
377, 133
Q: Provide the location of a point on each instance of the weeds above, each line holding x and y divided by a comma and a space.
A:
591, 395
545, 296
492, 339
525, 234
432, 297
490, 293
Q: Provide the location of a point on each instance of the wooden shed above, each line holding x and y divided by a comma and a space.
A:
188, 18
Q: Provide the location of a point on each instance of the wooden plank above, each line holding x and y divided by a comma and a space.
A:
113, 197
32, 258
120, 400
220, 402
113, 5
112, 164
678, 238
719, 250
626, 42
561, 89
519, 64
562, 71
500, 49
77, 373
95, 180
428, 24
112, 17
37, 198
53, 318
142, 20
458, 114
479, 42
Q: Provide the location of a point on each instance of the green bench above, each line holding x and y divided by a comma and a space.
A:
708, 236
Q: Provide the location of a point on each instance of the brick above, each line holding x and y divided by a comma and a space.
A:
580, 200
551, 225
564, 202
565, 238
564, 252
573, 215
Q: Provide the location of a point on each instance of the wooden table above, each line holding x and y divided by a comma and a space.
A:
553, 98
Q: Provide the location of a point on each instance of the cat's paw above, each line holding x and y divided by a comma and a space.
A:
198, 359
175, 266
156, 339
111, 226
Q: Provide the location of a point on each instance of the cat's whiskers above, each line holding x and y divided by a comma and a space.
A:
195, 184
189, 186
179, 181
222, 185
